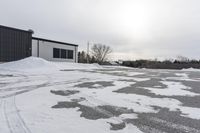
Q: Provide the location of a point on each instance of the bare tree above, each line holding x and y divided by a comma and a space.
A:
182, 58
100, 52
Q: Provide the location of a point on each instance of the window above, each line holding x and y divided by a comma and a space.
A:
63, 53
70, 54
56, 53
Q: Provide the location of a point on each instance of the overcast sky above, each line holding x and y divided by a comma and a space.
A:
135, 29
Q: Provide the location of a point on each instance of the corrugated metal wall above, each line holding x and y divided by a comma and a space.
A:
15, 44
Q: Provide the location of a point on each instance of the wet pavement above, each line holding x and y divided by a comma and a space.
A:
164, 121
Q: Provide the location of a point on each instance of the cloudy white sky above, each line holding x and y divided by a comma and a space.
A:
134, 29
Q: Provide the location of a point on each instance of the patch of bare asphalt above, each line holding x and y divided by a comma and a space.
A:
193, 75
68, 70
86, 112
91, 85
110, 72
165, 121
6, 75
97, 112
3, 84
156, 74
128, 80
194, 85
185, 100
114, 69
79, 99
118, 126
65, 92
153, 83
151, 73
94, 113
189, 101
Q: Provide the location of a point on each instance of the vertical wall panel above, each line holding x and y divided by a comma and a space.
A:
15, 44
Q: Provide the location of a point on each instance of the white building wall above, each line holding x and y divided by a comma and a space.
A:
34, 48
46, 50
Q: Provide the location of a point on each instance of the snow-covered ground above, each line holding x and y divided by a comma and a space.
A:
37, 96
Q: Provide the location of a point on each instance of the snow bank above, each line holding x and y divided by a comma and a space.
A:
191, 70
35, 64
28, 64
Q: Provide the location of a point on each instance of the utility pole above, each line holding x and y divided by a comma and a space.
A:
88, 51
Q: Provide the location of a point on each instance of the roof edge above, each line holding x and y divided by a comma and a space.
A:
53, 41
15, 29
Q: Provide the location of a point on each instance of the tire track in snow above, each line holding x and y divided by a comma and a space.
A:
23, 89
3, 127
10, 116
20, 90
8, 109
14, 120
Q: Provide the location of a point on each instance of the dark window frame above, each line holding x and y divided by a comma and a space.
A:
56, 53
70, 54
63, 53
60, 53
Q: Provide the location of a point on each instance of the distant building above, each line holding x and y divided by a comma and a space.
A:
16, 44
54, 50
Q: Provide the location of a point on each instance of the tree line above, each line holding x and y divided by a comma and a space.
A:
179, 63
99, 53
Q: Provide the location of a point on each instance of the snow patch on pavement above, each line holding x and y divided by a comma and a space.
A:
173, 89
40, 117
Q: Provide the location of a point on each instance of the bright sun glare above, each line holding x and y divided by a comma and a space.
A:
133, 20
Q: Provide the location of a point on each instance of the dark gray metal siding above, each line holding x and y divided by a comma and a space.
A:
15, 44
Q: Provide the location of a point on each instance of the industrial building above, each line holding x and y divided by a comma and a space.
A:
16, 44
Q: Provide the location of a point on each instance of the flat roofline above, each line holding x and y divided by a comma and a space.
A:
11, 28
47, 40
